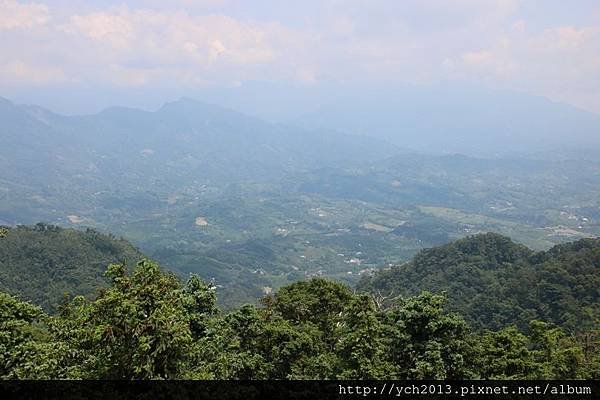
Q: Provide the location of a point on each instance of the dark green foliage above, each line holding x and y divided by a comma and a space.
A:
590, 346
494, 282
201, 303
318, 302
147, 325
547, 353
506, 355
138, 328
428, 343
558, 355
21, 340
44, 263
362, 347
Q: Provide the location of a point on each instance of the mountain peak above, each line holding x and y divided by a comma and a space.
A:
5, 101
186, 103
6, 104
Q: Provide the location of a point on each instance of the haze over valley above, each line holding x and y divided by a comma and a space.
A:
253, 205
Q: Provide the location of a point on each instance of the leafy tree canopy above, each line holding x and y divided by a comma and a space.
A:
146, 324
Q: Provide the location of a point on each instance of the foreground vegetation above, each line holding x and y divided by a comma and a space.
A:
147, 325
134, 321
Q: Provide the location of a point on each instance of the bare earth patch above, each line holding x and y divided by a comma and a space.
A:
74, 219
200, 221
375, 227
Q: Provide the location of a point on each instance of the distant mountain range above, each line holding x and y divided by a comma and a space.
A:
255, 205
437, 118
467, 121
183, 142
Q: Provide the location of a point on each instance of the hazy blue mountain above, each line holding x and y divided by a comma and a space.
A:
183, 142
437, 118
182, 128
467, 121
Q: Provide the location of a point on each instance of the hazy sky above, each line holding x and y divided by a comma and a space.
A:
543, 47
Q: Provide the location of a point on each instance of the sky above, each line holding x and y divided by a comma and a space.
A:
76, 56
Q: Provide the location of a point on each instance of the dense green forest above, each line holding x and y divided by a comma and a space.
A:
148, 325
144, 323
493, 282
44, 263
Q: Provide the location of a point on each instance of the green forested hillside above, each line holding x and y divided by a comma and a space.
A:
43, 263
494, 282
147, 325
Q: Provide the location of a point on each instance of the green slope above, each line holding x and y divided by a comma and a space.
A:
495, 282
43, 263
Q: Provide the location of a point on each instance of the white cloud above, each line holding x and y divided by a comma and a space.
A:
162, 36
561, 63
488, 64
17, 72
17, 15
126, 76
569, 37
100, 26
178, 45
478, 58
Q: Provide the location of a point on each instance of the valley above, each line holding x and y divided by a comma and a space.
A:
253, 206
